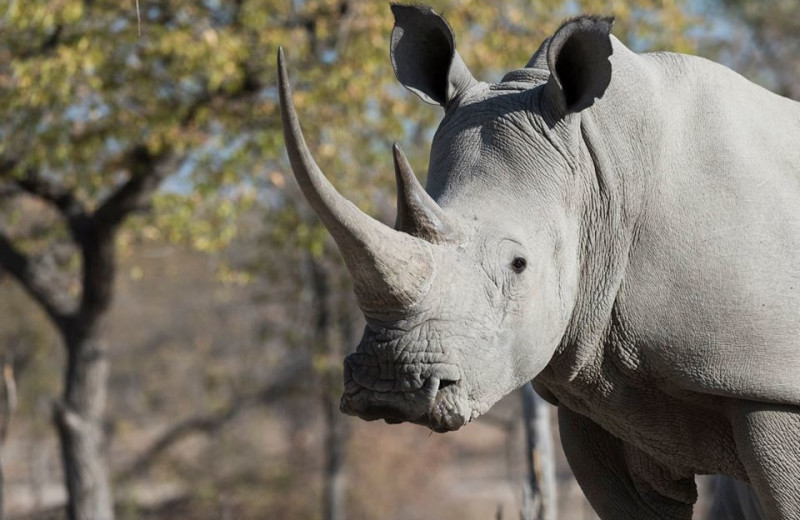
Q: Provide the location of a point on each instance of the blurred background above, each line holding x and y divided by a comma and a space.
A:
172, 315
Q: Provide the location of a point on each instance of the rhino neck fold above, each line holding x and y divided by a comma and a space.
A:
616, 173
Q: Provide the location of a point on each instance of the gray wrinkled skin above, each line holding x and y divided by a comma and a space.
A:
655, 200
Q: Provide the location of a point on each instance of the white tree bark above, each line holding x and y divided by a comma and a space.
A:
540, 487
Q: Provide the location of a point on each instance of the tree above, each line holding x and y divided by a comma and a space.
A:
540, 489
95, 123
78, 415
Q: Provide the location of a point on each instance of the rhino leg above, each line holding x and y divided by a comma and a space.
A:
621, 482
768, 442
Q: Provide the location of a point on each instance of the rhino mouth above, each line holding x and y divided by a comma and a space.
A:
437, 403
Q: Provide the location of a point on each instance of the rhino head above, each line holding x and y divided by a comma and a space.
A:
471, 293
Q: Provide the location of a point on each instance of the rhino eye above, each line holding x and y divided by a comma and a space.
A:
519, 264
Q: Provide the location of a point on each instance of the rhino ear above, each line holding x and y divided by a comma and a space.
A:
539, 58
577, 56
424, 55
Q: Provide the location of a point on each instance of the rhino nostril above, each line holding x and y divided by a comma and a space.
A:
444, 383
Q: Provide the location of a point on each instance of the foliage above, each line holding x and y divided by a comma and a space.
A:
197, 87
760, 39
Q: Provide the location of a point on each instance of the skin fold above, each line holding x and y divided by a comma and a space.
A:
624, 230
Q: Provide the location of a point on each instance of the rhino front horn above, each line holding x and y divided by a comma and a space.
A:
391, 270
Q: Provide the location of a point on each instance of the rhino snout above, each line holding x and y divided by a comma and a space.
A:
395, 400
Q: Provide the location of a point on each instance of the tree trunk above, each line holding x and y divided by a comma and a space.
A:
80, 415
334, 463
1, 487
9, 406
329, 344
540, 490
79, 420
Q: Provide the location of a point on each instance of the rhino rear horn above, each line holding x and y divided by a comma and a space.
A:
391, 270
417, 213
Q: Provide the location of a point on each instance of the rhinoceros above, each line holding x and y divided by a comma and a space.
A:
621, 229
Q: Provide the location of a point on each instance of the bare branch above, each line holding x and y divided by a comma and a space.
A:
9, 398
96, 233
249, 86
209, 423
6, 165
61, 198
45, 47
144, 179
19, 266
9, 190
